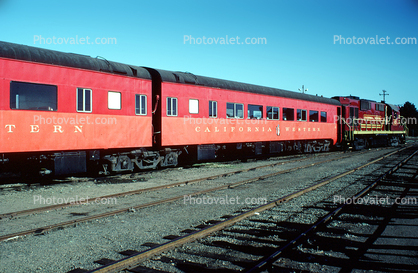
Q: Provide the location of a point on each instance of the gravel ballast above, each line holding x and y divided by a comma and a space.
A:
80, 245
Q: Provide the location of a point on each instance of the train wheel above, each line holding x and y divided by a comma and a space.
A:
308, 148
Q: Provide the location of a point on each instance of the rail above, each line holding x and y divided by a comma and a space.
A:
132, 261
303, 236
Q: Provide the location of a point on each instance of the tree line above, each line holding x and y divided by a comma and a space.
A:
408, 110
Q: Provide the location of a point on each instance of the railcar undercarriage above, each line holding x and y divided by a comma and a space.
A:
105, 162
95, 161
141, 159
254, 149
365, 141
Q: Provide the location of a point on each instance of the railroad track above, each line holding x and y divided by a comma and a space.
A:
45, 228
134, 258
165, 186
17, 183
267, 263
139, 191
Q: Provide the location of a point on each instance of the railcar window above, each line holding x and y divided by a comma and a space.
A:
288, 114
172, 107
230, 110
365, 105
255, 111
84, 100
353, 112
323, 116
140, 104
193, 106
33, 96
272, 112
213, 109
301, 115
313, 116
380, 107
234, 110
114, 100
353, 116
239, 110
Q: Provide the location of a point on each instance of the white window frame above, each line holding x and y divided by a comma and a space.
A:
171, 99
211, 104
272, 112
114, 100
140, 105
326, 116
248, 111
235, 110
84, 100
193, 106
301, 113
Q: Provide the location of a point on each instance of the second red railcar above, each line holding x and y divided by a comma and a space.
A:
217, 116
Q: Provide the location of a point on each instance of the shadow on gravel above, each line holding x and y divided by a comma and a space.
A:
365, 237
120, 179
17, 182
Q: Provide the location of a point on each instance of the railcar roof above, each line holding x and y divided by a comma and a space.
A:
394, 107
189, 78
39, 55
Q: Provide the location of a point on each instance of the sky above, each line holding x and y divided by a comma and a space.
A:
331, 47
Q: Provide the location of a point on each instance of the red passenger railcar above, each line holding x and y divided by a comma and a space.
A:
213, 115
68, 108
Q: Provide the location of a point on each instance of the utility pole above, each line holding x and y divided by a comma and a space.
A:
303, 89
384, 95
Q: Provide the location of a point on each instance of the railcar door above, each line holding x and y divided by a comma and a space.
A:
353, 118
339, 126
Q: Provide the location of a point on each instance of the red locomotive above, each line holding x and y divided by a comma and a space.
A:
368, 123
66, 113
